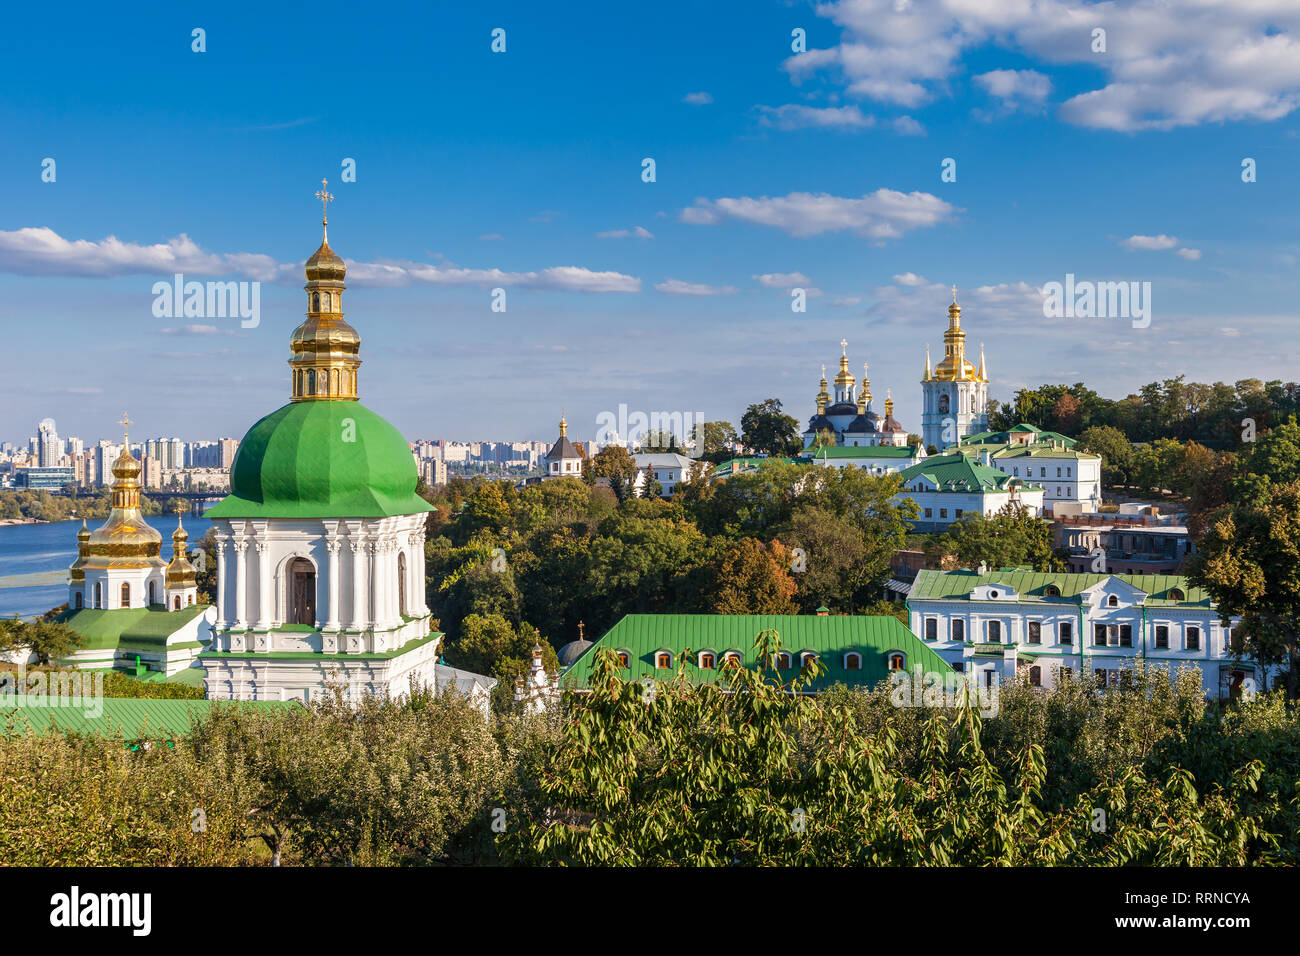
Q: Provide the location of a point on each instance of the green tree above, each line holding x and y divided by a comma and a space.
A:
766, 430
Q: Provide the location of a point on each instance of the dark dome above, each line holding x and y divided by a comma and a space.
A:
572, 651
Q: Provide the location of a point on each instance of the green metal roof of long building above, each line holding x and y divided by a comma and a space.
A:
134, 718
957, 472
864, 451
829, 636
933, 585
129, 627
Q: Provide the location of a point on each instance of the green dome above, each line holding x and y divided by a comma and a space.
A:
322, 460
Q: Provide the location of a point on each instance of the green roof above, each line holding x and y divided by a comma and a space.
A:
956, 472
144, 627
1003, 437
1033, 585
830, 636
752, 461
864, 451
334, 459
133, 717
1039, 451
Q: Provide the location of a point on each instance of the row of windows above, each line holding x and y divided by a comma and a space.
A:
125, 595
1103, 635
707, 660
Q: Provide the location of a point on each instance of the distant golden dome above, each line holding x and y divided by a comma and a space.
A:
325, 264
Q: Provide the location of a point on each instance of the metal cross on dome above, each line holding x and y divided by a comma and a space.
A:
324, 198
125, 423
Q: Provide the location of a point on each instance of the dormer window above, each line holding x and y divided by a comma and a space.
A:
1052, 591
807, 657
663, 659
784, 661
1112, 601
732, 659
706, 660
853, 661
1176, 594
624, 659
897, 661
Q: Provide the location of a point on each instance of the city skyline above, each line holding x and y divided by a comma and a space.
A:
820, 170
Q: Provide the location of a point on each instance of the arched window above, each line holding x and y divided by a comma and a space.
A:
301, 580
176, 603
152, 599
663, 659
783, 660
1176, 594
1052, 591
1035, 676
706, 660
624, 659
807, 657
315, 301
1112, 601
126, 594
732, 659
853, 661
401, 583
311, 381
328, 307
79, 600
943, 404
191, 600
99, 594
897, 661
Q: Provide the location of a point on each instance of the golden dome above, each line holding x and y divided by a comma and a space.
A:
180, 573
125, 540
844, 378
325, 348
955, 367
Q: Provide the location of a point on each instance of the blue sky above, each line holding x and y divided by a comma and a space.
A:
522, 170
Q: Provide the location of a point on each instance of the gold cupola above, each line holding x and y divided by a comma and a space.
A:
125, 540
864, 393
180, 572
325, 348
844, 379
78, 570
822, 396
564, 426
954, 367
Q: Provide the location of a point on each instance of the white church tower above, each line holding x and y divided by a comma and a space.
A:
954, 394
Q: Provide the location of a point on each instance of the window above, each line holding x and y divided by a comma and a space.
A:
152, 599
1126, 635
1177, 594
988, 678
929, 512
663, 659
959, 630
1058, 472
624, 659
1035, 676
732, 659
931, 629
1065, 632
1099, 635
301, 575
706, 660
1042, 472
1193, 638
853, 661
784, 661
943, 512
1112, 601
79, 600
176, 603
1052, 591
99, 594
1035, 632
897, 661
401, 584
956, 513
126, 594
995, 632
1162, 636
807, 657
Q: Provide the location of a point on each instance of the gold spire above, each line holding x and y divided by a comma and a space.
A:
822, 396
864, 393
180, 573
564, 425
954, 367
325, 348
926, 377
983, 376
844, 379
889, 404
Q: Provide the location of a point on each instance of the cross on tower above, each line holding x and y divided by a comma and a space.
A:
125, 423
844, 345
954, 295
324, 198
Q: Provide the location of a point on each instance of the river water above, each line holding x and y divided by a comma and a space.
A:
30, 548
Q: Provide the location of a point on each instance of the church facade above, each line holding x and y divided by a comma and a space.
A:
846, 419
320, 544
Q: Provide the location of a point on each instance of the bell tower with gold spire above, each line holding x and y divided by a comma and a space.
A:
955, 394
325, 348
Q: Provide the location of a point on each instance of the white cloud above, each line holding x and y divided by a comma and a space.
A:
1146, 243
639, 232
679, 287
782, 280
909, 278
1015, 88
1189, 254
698, 99
43, 252
1165, 65
906, 126
884, 214
794, 116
